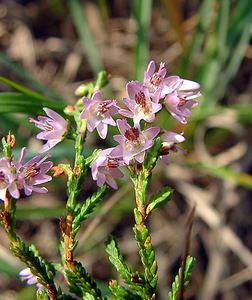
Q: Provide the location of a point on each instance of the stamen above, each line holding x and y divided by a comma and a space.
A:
103, 108
112, 162
182, 101
132, 134
140, 99
31, 172
45, 125
155, 80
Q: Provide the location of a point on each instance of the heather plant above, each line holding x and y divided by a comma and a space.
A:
139, 144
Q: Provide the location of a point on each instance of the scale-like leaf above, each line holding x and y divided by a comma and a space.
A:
117, 261
88, 207
160, 198
190, 261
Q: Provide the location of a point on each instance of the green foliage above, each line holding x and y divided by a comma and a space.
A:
83, 211
128, 277
190, 261
152, 155
121, 293
117, 260
11, 102
81, 283
25, 100
159, 199
42, 294
29, 255
6, 148
88, 296
147, 255
80, 21
22, 89
142, 13
220, 41
138, 216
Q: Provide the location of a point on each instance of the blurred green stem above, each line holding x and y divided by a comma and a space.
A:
142, 12
80, 21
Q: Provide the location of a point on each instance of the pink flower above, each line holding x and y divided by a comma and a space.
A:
98, 113
139, 104
26, 275
54, 128
157, 83
106, 167
170, 141
7, 180
180, 101
133, 142
32, 173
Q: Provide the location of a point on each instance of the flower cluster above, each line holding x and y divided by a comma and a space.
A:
144, 100
136, 136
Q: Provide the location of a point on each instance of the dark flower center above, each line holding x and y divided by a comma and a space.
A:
143, 103
103, 107
155, 80
47, 126
2, 180
140, 99
132, 134
167, 147
182, 101
112, 162
31, 172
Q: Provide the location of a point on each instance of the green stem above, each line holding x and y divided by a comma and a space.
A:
34, 262
79, 281
142, 236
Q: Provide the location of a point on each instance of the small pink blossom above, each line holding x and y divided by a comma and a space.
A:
32, 173
133, 142
180, 101
54, 128
98, 113
8, 180
157, 83
26, 275
169, 143
106, 167
139, 104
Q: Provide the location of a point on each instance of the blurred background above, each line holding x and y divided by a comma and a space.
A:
52, 46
